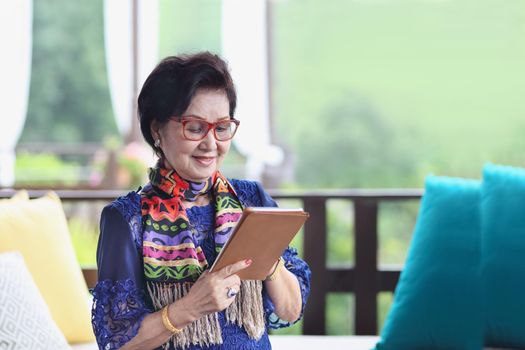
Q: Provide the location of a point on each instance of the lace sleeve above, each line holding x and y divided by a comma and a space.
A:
119, 304
300, 269
118, 310
252, 194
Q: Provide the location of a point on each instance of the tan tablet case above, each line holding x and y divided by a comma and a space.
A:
262, 234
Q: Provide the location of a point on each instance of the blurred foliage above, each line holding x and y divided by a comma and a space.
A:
69, 99
379, 93
189, 26
44, 170
396, 223
340, 313
339, 316
340, 233
136, 171
84, 235
356, 142
384, 301
131, 160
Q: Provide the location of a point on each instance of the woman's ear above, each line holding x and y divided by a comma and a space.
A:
155, 130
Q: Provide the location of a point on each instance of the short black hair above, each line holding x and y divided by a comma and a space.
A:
173, 83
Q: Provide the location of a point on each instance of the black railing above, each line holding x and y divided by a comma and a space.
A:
365, 279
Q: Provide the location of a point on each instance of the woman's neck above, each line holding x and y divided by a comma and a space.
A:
201, 201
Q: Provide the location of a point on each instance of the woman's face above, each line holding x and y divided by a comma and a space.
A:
196, 160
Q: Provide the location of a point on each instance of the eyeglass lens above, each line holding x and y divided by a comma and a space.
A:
197, 130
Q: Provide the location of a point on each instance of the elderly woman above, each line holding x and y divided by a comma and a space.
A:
156, 245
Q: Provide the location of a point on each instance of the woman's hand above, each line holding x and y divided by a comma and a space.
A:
210, 292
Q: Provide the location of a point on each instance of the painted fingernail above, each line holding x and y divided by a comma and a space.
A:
248, 261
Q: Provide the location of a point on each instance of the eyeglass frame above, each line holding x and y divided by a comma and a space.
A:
188, 118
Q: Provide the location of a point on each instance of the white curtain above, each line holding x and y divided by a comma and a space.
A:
16, 22
119, 52
244, 46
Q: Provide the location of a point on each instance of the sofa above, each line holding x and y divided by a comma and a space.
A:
44, 298
461, 288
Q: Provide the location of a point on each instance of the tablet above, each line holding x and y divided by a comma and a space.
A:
262, 234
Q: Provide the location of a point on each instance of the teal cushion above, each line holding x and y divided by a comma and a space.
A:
437, 303
503, 255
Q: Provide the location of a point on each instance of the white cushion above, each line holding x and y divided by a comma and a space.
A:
25, 320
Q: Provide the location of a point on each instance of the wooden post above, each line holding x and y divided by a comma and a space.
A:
365, 266
315, 256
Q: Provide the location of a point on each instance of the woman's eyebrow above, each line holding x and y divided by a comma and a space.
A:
202, 118
193, 116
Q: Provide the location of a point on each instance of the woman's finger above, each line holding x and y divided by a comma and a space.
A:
232, 281
234, 268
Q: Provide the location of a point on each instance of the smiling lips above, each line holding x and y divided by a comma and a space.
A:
204, 160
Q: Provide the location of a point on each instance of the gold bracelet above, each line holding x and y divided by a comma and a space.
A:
167, 323
280, 264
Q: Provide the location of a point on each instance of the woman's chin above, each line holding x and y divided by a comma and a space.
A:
200, 175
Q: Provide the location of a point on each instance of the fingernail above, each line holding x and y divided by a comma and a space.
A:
248, 261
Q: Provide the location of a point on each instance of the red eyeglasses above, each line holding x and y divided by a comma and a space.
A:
195, 129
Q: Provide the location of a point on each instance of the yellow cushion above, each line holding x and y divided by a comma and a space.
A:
18, 196
38, 229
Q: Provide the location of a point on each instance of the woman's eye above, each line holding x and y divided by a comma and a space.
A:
194, 128
223, 127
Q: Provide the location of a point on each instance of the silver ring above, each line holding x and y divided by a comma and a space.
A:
231, 293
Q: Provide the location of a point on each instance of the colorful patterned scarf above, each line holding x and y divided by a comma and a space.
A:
170, 247
173, 259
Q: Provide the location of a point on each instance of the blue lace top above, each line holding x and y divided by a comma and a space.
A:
120, 302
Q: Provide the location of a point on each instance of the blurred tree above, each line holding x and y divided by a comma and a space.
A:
69, 97
350, 145
189, 26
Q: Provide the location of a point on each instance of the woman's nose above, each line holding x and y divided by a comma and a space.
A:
209, 140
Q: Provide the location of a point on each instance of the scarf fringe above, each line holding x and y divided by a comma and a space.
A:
246, 311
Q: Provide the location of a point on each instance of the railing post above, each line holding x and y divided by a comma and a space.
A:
315, 255
366, 266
